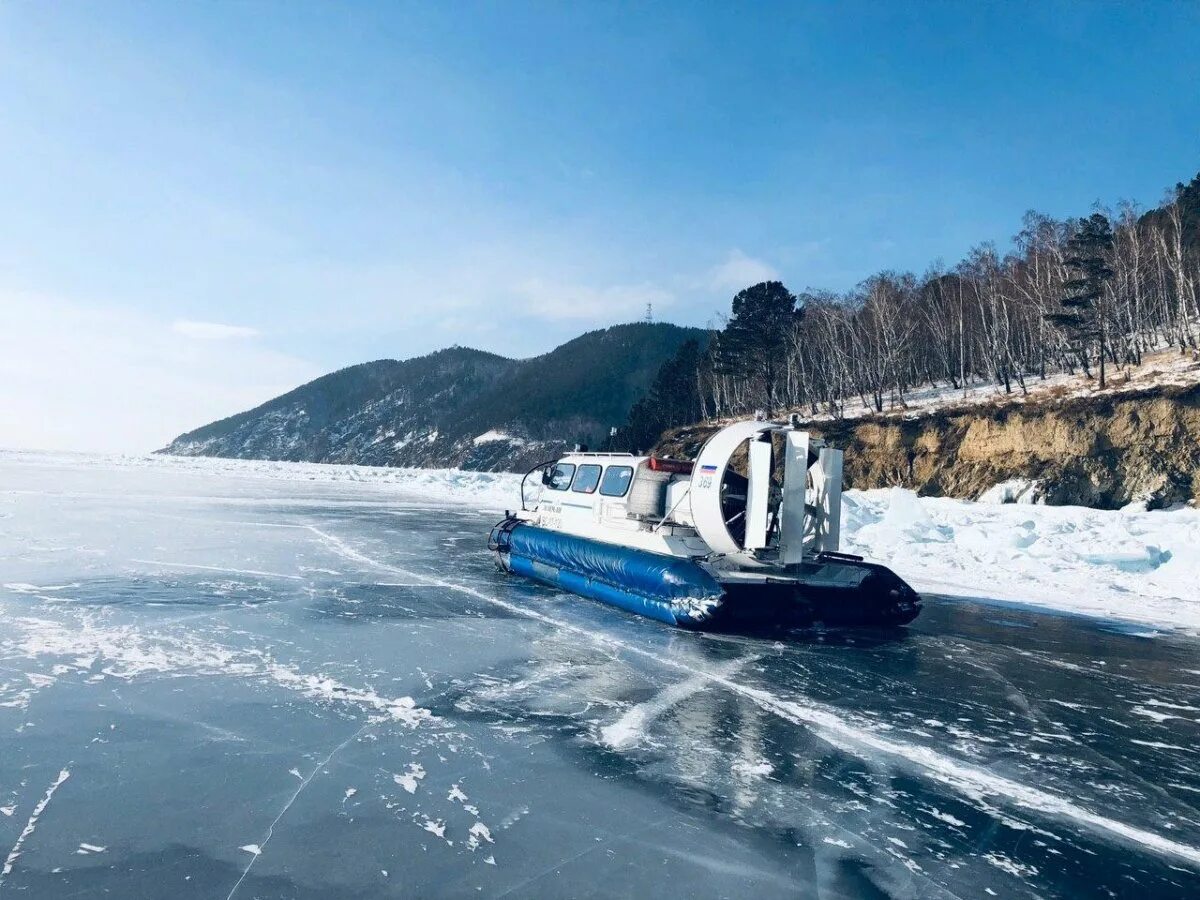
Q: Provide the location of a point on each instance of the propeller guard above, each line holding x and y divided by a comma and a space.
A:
804, 521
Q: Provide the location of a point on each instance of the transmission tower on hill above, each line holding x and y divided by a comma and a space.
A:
649, 311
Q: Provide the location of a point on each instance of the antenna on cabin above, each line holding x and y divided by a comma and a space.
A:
649, 311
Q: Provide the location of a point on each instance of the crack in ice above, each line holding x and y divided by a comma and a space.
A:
179, 565
259, 849
31, 825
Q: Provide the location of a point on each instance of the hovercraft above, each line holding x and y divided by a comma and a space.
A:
702, 545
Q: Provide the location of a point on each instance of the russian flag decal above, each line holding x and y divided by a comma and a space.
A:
708, 470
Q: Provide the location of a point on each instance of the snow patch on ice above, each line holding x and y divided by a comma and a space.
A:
756, 768
1158, 745
945, 817
1154, 714
126, 652
1182, 707
408, 780
477, 833
1069, 705
1011, 866
437, 827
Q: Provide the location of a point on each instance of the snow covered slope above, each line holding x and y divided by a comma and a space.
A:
1137, 566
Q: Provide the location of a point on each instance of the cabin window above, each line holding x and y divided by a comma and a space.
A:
616, 481
560, 476
586, 480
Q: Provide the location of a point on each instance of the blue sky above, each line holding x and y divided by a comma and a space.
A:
207, 203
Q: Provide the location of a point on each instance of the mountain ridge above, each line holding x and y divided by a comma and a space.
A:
457, 406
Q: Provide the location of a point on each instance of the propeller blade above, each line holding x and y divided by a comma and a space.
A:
794, 514
758, 494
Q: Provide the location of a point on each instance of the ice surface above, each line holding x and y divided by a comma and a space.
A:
257, 666
482, 490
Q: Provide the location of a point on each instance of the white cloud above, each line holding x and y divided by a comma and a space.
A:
212, 331
84, 377
740, 271
616, 303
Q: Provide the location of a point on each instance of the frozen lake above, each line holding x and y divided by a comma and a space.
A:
216, 686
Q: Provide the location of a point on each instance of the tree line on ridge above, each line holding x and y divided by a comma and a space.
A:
1082, 295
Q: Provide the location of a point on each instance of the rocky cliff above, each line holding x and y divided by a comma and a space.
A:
1103, 450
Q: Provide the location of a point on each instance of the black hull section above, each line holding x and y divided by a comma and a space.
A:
837, 590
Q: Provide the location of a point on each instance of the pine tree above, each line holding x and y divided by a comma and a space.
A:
1085, 315
756, 341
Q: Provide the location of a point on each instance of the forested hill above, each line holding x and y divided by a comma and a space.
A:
1087, 298
455, 407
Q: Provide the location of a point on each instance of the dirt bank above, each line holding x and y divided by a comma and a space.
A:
1103, 451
